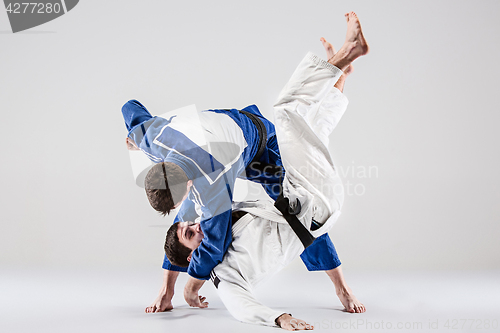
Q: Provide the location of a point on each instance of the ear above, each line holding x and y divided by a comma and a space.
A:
189, 184
189, 257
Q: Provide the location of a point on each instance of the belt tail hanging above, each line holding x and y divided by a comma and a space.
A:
290, 215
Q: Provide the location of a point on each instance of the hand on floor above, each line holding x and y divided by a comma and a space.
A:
194, 300
289, 323
162, 303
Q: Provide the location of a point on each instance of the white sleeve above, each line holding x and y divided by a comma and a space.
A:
244, 307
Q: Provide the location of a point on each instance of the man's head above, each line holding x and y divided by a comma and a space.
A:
182, 239
167, 186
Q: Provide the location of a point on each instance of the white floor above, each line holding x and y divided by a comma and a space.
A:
114, 301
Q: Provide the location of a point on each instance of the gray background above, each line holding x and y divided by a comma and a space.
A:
423, 111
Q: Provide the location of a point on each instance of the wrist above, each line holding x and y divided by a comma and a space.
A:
282, 317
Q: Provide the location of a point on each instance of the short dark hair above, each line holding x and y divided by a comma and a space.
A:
176, 252
165, 186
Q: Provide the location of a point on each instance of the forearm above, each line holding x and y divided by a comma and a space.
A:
337, 277
169, 279
191, 293
193, 285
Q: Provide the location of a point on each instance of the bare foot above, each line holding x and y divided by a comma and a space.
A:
355, 36
330, 52
289, 323
162, 303
350, 302
354, 46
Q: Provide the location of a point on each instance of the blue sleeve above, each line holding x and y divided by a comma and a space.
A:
216, 225
217, 231
134, 113
187, 212
321, 255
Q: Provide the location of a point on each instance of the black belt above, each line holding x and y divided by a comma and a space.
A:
236, 215
262, 131
290, 215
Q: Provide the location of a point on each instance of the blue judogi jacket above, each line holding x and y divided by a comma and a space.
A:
213, 183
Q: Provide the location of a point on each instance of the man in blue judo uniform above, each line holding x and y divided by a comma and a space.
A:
197, 163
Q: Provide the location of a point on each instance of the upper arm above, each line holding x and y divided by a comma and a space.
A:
217, 237
187, 212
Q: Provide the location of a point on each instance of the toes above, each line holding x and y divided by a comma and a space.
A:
359, 308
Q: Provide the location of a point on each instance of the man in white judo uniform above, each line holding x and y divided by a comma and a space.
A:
308, 109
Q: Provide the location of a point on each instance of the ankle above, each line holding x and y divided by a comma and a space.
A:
340, 61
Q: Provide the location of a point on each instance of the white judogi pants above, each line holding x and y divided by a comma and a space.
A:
308, 109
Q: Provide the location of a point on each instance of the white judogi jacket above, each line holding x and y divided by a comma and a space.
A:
308, 109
